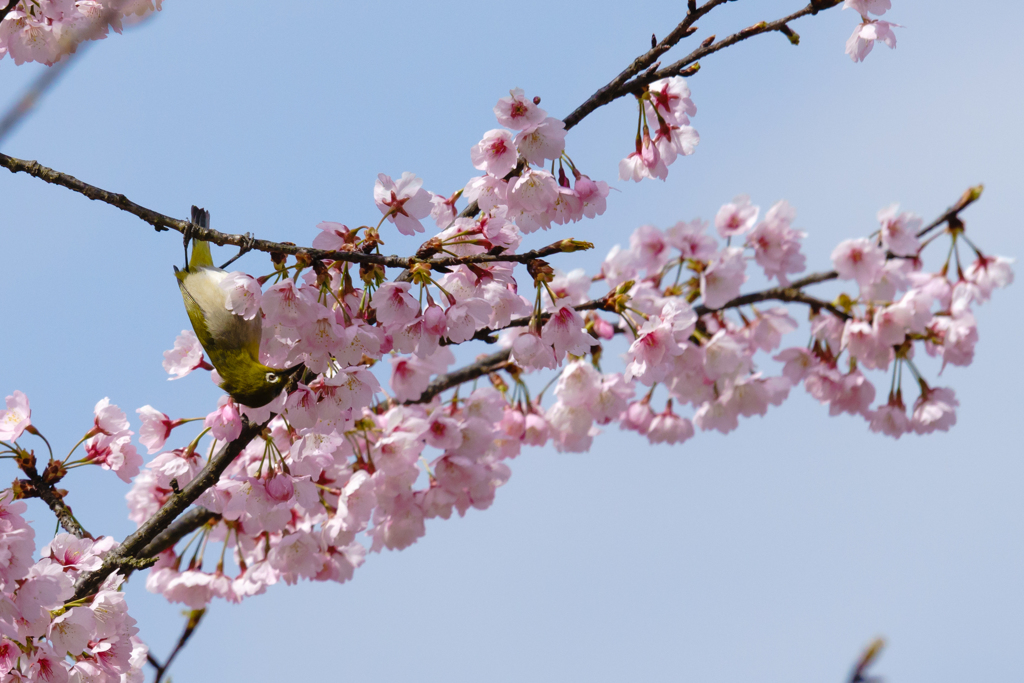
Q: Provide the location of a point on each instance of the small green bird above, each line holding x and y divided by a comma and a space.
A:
231, 341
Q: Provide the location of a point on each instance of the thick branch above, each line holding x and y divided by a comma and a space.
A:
162, 519
181, 527
163, 222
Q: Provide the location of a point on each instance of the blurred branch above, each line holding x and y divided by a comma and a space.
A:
24, 106
870, 654
194, 617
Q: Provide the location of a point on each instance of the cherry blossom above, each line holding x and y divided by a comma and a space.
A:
859, 260
737, 217
16, 418
495, 153
186, 356
517, 112
403, 203
864, 36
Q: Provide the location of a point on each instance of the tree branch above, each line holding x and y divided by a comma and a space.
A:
194, 617
163, 222
8, 8
614, 89
177, 530
37, 486
636, 85
162, 519
483, 366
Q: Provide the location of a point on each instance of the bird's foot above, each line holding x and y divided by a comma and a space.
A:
248, 242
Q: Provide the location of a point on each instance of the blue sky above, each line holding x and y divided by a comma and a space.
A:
773, 554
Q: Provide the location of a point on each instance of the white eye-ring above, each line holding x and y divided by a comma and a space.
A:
273, 377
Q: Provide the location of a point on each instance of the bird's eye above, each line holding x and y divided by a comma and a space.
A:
273, 377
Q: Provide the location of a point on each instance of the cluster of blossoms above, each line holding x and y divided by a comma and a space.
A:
47, 30
357, 454
667, 105
43, 637
346, 464
869, 30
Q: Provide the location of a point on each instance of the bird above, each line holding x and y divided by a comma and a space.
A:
231, 341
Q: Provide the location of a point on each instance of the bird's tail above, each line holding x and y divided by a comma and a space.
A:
201, 256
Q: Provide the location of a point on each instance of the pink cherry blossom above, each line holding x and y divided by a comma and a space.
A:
17, 418
579, 384
671, 98
692, 240
722, 279
863, 7
592, 194
540, 141
737, 217
495, 153
394, 304
404, 202
332, 237
719, 415
858, 259
990, 273
186, 356
667, 427
861, 340
798, 362
650, 248
243, 294
110, 420
645, 162
224, 423
115, 453
517, 112
864, 36
443, 209
891, 419
899, 231
533, 191
487, 191
854, 394
935, 409
564, 331
776, 245
156, 427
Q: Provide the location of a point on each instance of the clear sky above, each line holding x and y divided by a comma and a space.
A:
773, 554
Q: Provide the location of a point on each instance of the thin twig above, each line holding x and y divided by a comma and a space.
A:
483, 366
38, 487
34, 93
638, 83
614, 88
